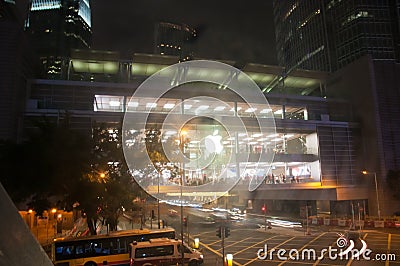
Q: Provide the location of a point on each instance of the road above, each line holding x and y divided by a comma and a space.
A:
246, 239
284, 239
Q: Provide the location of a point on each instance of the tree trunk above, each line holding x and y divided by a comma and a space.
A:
91, 225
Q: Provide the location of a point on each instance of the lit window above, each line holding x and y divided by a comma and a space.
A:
169, 105
250, 110
133, 104
108, 103
202, 107
151, 105
264, 111
114, 103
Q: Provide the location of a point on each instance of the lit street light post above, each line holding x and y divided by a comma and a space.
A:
182, 148
376, 190
158, 200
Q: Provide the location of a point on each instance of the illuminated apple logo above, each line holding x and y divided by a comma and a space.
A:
213, 143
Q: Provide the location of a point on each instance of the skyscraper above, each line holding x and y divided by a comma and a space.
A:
56, 27
329, 34
174, 39
360, 42
16, 65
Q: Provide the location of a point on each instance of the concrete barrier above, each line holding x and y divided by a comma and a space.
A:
390, 224
380, 224
386, 222
359, 223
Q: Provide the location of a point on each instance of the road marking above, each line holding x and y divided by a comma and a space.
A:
258, 243
217, 253
234, 243
351, 259
256, 258
308, 243
388, 248
319, 260
215, 242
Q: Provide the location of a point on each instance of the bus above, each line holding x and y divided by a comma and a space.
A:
110, 249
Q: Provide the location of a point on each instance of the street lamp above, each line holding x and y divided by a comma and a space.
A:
196, 243
53, 211
30, 211
229, 259
182, 149
364, 172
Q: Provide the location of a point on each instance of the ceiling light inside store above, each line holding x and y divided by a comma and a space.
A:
151, 105
203, 107
133, 104
171, 132
169, 105
250, 110
264, 111
114, 103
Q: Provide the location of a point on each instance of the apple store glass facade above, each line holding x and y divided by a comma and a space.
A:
295, 153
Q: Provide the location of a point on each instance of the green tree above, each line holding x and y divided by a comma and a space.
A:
58, 165
115, 187
155, 151
46, 167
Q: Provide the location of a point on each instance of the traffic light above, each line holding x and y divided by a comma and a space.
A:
184, 221
264, 208
218, 231
227, 231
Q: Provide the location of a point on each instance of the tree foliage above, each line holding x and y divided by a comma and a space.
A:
57, 167
45, 167
109, 173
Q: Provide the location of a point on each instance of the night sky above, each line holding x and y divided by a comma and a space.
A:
227, 30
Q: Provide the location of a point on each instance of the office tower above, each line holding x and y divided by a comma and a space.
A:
359, 41
329, 34
15, 67
56, 27
174, 39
